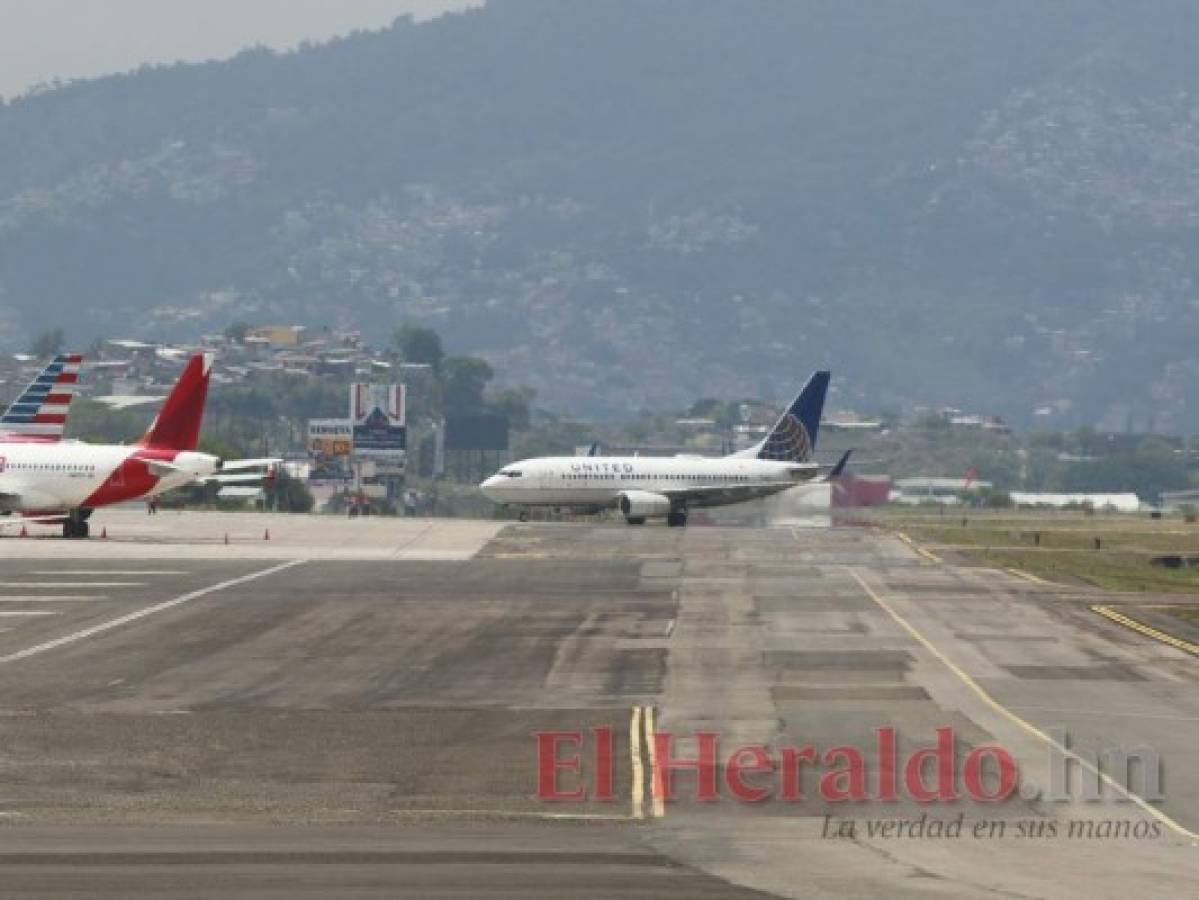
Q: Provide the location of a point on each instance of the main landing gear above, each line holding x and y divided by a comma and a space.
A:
677, 518
75, 524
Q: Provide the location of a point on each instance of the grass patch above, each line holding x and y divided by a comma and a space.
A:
1189, 614
1061, 546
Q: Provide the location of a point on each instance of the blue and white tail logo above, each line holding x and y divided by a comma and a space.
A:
40, 411
793, 438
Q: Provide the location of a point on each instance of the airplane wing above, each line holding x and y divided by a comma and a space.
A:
266, 462
234, 478
229, 470
725, 494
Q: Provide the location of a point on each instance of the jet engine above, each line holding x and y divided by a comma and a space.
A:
637, 506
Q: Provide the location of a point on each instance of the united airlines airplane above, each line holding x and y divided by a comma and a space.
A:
50, 480
667, 487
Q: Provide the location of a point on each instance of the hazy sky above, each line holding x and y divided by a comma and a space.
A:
45, 39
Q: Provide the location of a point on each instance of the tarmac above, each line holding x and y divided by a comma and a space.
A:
350, 707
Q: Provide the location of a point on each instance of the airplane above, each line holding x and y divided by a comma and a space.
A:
39, 414
644, 487
64, 481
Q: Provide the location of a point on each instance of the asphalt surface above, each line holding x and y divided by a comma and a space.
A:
303, 725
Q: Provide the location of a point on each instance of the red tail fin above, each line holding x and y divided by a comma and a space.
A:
177, 426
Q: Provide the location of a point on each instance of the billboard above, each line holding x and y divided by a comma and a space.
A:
380, 429
330, 443
330, 437
476, 432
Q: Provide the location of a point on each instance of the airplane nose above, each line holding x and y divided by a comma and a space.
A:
488, 487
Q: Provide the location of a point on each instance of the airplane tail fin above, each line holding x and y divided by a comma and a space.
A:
793, 438
177, 426
41, 409
839, 469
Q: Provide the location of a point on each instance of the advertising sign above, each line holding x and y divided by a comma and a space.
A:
330, 443
380, 430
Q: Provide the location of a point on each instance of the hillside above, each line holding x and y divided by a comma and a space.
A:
634, 203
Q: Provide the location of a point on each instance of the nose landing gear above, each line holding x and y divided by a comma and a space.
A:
677, 518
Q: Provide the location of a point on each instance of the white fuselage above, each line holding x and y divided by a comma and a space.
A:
65, 475
598, 482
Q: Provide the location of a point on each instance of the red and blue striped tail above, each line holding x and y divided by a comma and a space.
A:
40, 411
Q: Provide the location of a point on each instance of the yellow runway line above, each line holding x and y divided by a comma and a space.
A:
1027, 576
998, 707
1149, 631
927, 554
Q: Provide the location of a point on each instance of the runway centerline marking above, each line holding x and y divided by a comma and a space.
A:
1028, 727
26, 612
85, 633
73, 584
52, 598
111, 573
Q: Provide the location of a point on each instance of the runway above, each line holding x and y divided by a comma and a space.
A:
351, 709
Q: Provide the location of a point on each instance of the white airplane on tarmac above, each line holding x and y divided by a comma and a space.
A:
643, 487
50, 480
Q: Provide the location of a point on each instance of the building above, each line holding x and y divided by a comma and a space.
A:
944, 491
277, 335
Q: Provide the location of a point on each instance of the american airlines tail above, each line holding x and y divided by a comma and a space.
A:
793, 437
177, 426
40, 412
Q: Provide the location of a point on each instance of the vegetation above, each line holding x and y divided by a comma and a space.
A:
419, 345
1111, 551
48, 344
991, 208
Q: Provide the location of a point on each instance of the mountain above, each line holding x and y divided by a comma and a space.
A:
637, 202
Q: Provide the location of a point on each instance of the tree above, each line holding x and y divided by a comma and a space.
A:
48, 343
464, 378
419, 345
513, 403
237, 332
287, 494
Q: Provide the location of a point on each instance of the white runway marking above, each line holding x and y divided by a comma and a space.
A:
14, 613
73, 584
111, 573
657, 783
51, 598
638, 791
142, 613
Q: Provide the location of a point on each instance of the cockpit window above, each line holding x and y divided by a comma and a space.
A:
511, 473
